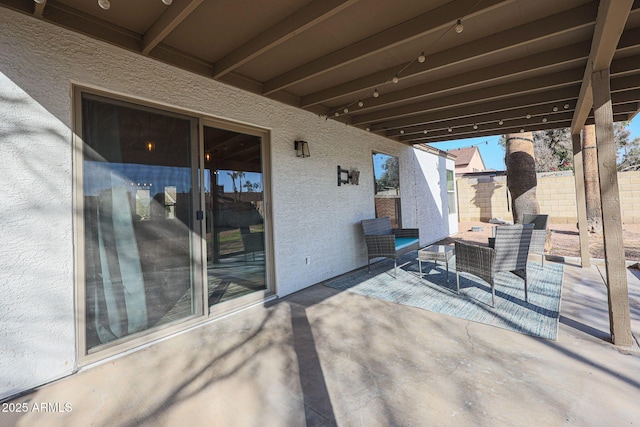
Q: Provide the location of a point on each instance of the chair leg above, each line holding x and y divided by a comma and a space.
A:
458, 282
526, 292
369, 265
493, 296
420, 267
395, 267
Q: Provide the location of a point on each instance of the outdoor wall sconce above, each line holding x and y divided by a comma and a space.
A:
150, 145
352, 176
302, 148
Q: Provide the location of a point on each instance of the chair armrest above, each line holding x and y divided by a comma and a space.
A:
380, 245
406, 232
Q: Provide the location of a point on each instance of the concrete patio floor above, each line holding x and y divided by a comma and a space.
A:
322, 357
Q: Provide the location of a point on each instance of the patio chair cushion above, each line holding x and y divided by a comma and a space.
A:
403, 242
384, 242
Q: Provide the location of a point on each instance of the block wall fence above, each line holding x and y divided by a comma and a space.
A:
483, 197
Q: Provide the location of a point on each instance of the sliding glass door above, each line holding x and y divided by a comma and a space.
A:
140, 252
235, 213
171, 221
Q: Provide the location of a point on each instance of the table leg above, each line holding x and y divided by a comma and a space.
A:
420, 267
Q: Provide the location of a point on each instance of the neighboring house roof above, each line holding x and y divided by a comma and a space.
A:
464, 156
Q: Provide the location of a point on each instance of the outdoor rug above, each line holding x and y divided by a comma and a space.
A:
538, 317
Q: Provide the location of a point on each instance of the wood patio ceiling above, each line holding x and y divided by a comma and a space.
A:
517, 64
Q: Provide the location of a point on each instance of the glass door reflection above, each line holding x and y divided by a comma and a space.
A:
234, 200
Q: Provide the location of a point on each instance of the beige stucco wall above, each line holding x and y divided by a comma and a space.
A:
483, 198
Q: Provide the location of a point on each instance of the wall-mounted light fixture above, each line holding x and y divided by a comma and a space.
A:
352, 176
150, 146
302, 148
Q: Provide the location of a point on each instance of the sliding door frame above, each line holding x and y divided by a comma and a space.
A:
265, 153
202, 313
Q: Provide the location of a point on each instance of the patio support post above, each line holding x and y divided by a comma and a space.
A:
618, 294
581, 201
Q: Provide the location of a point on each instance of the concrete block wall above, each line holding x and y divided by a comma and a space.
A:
481, 198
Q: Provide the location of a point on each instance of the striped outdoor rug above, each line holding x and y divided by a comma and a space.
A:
538, 317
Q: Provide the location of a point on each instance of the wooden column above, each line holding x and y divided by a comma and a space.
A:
581, 202
618, 294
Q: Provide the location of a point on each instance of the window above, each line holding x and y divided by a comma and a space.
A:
386, 174
451, 192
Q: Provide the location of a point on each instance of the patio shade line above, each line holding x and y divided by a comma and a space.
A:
623, 66
541, 110
622, 92
536, 62
520, 87
513, 129
512, 68
493, 120
421, 25
503, 105
463, 128
544, 28
491, 126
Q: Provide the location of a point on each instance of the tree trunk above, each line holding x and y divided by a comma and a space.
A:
521, 175
591, 188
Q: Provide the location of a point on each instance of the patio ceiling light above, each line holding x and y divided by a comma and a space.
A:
459, 26
39, 1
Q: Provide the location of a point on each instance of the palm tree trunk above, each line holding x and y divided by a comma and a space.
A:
591, 188
521, 175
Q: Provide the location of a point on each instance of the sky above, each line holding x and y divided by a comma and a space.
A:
493, 154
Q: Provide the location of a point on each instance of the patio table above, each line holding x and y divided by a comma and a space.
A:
436, 253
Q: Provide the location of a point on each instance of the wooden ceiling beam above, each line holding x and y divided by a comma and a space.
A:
504, 105
536, 112
466, 130
303, 19
462, 127
505, 130
512, 89
610, 22
168, 21
623, 67
544, 28
421, 25
573, 54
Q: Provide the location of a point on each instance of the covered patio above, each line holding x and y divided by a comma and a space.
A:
352, 78
323, 357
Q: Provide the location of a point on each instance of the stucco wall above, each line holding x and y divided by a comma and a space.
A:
485, 197
312, 216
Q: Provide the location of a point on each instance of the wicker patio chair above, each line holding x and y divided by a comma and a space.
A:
540, 232
383, 241
510, 252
